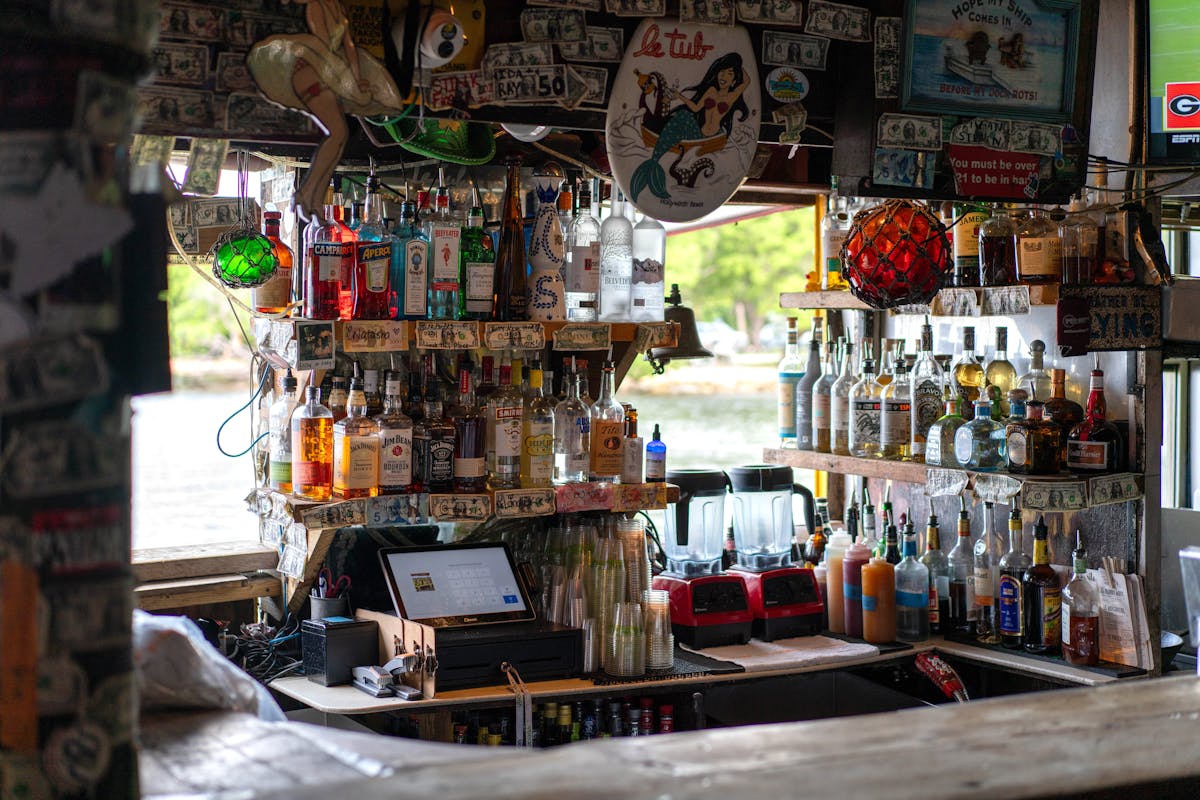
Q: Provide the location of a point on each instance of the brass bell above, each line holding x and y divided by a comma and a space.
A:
688, 344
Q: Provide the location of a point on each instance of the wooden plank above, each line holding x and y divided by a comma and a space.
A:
909, 472
827, 299
162, 595
318, 545
190, 561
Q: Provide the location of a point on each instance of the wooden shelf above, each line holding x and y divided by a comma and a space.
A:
905, 471
985, 299
830, 300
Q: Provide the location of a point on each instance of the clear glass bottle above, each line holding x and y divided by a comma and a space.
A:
312, 448
1009, 597
839, 409
789, 372
647, 294
509, 286
572, 427
822, 402
279, 436
477, 265
939, 576
1036, 380
372, 260
1095, 445
355, 449
1064, 413
998, 249
470, 437
583, 260
912, 594
966, 244
870, 538
444, 232
968, 372
961, 564
979, 444
865, 404
338, 397
1000, 373
273, 296
1043, 599
804, 389
395, 431
410, 265
835, 227
1016, 432
537, 436
1080, 612
656, 458
607, 431
323, 275
986, 555
939, 443
1080, 237
895, 430
308, 277
926, 383
1039, 250
616, 263
504, 414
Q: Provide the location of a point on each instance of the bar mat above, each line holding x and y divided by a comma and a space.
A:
889, 647
687, 665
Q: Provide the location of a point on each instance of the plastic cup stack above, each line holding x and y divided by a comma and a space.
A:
660, 641
632, 535
627, 653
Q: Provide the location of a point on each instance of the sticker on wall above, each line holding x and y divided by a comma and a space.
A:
787, 85
683, 118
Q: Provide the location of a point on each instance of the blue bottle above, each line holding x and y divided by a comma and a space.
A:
656, 458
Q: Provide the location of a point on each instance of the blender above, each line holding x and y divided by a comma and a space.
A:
785, 600
709, 608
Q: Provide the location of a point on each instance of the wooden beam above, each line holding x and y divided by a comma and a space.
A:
162, 595
192, 561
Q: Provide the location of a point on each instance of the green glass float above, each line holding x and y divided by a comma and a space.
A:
243, 258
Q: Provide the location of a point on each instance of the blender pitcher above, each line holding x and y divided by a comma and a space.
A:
695, 526
762, 515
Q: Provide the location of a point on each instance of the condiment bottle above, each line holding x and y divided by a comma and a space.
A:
835, 552
857, 555
879, 601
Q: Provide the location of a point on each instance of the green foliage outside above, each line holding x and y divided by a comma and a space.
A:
200, 320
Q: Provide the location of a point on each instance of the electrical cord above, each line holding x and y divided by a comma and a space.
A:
262, 383
265, 653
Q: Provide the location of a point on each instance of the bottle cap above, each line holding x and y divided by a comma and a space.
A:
933, 521
272, 215
289, 382
1039, 527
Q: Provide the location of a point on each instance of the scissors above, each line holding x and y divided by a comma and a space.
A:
328, 587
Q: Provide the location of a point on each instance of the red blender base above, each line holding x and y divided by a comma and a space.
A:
786, 602
709, 610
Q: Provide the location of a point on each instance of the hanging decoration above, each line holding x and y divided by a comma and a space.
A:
242, 257
896, 254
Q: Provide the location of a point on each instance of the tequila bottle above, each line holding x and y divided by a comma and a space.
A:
616, 263
537, 436
912, 593
1009, 598
1037, 380
926, 381
583, 264
968, 372
979, 444
986, 561
505, 409
839, 409
355, 449
273, 296
1039, 250
1095, 445
998, 249
1080, 613
372, 260
395, 431
939, 576
962, 580
572, 426
895, 430
410, 265
470, 438
445, 243
312, 448
804, 390
1016, 432
607, 432
279, 436
939, 444
822, 401
1064, 413
1000, 373
476, 267
1043, 599
790, 371
647, 295
865, 404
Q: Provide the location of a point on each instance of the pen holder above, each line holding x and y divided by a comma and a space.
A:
324, 607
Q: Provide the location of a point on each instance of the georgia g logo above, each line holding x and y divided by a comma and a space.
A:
1181, 106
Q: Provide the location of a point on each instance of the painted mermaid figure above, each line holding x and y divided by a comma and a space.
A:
707, 111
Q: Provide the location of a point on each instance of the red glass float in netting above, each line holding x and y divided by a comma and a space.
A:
896, 254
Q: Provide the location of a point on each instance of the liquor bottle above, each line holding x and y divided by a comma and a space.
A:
1044, 441
1009, 597
835, 227
839, 404
616, 263
312, 448
986, 556
790, 371
537, 436
445, 243
279, 436
979, 444
338, 398
891, 552
1064, 413
414, 399
822, 401
323, 275
656, 458
814, 545
371, 392
1016, 433
1080, 612
804, 389
1036, 380
1095, 446
470, 432
966, 245
865, 405
939, 576
926, 381
939, 442
410, 265
395, 431
607, 430
1000, 373
961, 564
998, 249
632, 463
1080, 237
273, 296
355, 220
912, 593
433, 442
548, 387
504, 414
487, 383
895, 430
1039, 250
1043, 599
355, 449
968, 372
646, 293
372, 260
510, 292
869, 538
348, 240
566, 214
477, 263
308, 266
583, 265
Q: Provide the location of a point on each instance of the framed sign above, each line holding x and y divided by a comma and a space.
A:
1016, 58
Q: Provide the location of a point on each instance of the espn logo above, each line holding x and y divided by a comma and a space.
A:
1181, 106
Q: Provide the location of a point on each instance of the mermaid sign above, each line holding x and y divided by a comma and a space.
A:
683, 117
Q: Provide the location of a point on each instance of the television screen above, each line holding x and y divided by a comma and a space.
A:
1173, 91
